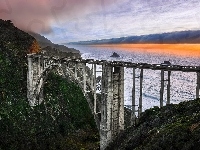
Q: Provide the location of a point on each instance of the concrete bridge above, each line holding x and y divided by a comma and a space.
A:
109, 110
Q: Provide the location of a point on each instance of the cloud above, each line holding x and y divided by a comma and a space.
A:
38, 15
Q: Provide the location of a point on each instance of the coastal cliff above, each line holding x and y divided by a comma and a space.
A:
62, 121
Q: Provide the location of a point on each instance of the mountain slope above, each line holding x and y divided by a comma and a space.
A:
62, 121
44, 42
163, 38
12, 37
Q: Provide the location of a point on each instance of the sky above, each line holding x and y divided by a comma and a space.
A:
64, 21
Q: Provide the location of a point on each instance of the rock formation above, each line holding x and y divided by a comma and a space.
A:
115, 55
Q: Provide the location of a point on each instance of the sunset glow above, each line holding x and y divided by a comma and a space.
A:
185, 50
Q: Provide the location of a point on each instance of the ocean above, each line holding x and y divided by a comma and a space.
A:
183, 84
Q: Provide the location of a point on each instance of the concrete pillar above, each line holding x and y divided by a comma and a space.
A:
162, 88
94, 89
112, 109
121, 98
92, 78
40, 79
30, 80
106, 106
75, 70
34, 80
84, 77
168, 87
140, 98
133, 100
198, 85
116, 103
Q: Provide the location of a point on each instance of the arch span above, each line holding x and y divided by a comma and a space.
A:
38, 70
110, 119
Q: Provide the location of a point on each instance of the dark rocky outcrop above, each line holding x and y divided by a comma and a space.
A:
115, 55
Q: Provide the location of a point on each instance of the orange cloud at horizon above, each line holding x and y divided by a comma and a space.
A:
185, 50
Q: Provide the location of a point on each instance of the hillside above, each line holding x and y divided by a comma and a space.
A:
44, 42
12, 37
62, 121
173, 127
162, 38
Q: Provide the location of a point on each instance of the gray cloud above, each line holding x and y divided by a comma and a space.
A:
38, 15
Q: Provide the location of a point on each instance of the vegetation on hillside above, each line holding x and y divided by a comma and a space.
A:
173, 127
62, 121
19, 42
44, 42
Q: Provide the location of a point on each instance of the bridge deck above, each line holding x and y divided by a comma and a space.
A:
163, 66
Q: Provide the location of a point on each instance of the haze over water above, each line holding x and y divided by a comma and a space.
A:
183, 84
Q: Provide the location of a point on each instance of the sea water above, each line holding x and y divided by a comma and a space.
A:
183, 84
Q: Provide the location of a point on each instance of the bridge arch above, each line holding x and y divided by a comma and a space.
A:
38, 73
111, 107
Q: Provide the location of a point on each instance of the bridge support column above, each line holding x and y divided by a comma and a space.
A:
34, 82
106, 106
162, 88
118, 101
84, 77
140, 98
30, 83
75, 70
198, 85
112, 108
133, 100
168, 87
94, 88
40, 87
121, 98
